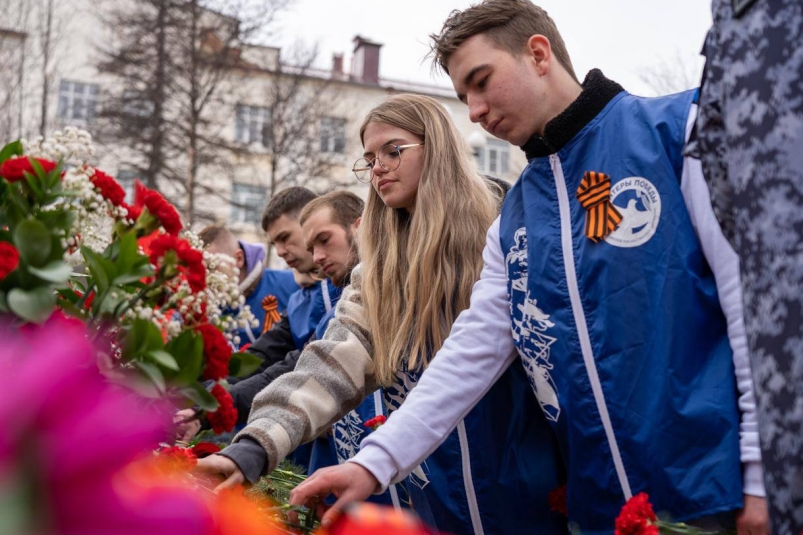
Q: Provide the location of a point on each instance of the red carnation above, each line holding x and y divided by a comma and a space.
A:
557, 500
89, 300
637, 517
223, 419
108, 187
205, 449
217, 352
179, 458
9, 259
375, 422
14, 169
158, 206
191, 261
133, 211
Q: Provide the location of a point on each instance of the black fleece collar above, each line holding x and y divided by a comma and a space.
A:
597, 92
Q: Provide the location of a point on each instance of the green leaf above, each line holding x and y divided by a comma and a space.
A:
34, 241
35, 184
12, 149
53, 179
57, 219
100, 268
19, 208
153, 373
201, 397
188, 350
142, 338
127, 252
163, 358
110, 305
68, 294
32, 305
134, 275
243, 364
69, 308
53, 272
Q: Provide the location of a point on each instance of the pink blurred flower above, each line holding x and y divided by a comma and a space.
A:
68, 434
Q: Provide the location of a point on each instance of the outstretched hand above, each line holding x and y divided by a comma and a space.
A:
349, 482
222, 468
187, 424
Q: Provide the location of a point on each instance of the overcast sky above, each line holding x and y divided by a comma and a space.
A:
622, 37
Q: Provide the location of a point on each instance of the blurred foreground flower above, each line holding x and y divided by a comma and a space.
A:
72, 450
373, 519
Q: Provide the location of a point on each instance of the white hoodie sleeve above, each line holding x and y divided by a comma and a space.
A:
479, 349
724, 263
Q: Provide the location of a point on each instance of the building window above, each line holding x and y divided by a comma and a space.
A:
494, 157
247, 203
77, 101
333, 135
137, 104
126, 179
252, 125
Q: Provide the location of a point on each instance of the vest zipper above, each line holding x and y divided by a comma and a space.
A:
379, 408
468, 480
327, 300
580, 321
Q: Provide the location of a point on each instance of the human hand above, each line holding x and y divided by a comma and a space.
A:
187, 424
349, 482
222, 468
754, 518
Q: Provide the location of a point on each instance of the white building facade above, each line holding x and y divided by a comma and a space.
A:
59, 80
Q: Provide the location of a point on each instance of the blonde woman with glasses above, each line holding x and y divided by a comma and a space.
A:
421, 242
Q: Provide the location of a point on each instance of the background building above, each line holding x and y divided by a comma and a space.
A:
175, 95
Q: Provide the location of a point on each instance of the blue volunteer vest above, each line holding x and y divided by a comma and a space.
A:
642, 396
495, 471
276, 282
307, 306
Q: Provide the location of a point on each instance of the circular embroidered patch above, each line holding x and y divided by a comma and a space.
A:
640, 205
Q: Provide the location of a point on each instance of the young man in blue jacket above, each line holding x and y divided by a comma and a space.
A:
608, 275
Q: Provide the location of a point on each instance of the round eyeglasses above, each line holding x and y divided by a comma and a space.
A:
389, 159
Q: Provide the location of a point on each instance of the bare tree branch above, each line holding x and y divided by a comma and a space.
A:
671, 75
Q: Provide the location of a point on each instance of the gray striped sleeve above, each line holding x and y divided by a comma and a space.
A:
333, 376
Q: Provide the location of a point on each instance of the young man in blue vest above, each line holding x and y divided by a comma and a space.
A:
608, 275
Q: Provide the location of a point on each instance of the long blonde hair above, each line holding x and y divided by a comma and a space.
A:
418, 269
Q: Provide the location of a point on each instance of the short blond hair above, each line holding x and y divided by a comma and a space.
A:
346, 207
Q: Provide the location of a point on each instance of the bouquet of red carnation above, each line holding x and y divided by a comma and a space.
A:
70, 242
638, 518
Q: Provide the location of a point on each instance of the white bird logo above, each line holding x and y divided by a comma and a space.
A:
633, 218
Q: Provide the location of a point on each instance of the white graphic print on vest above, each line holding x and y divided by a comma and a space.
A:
348, 432
640, 205
394, 396
530, 324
